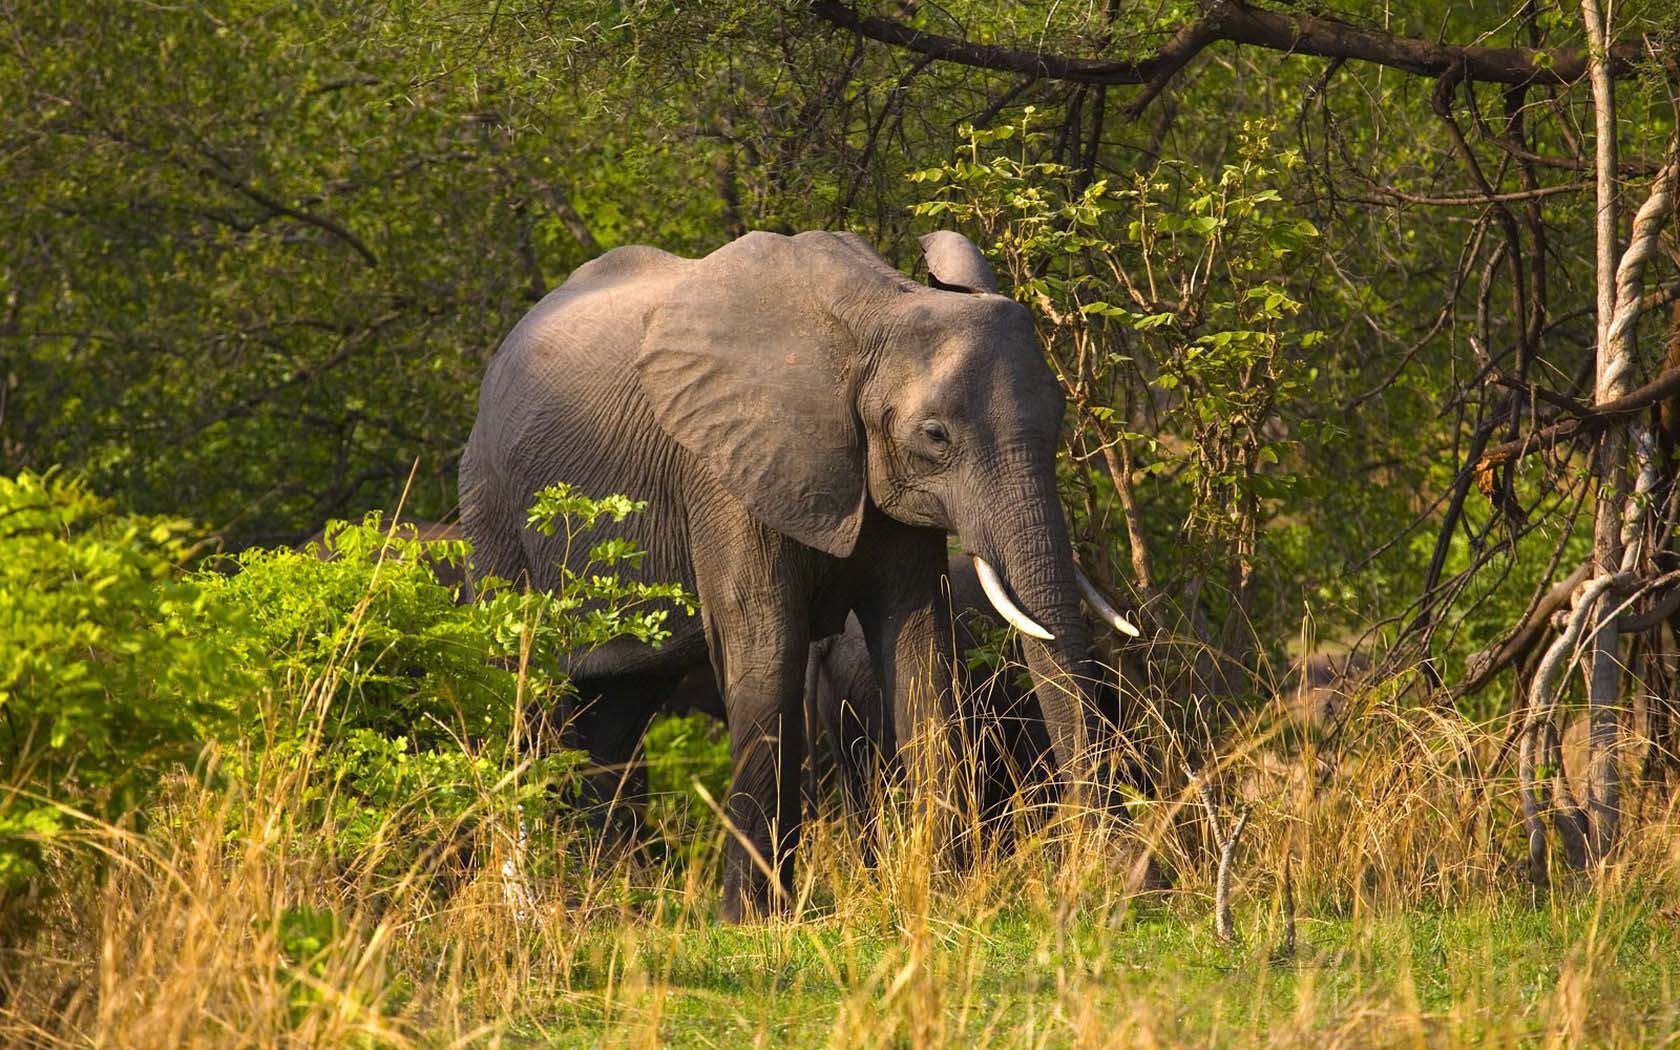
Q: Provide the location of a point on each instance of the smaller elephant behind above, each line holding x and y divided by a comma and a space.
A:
845, 719
1003, 727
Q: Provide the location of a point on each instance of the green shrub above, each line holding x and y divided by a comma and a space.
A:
401, 711
392, 713
370, 636
106, 684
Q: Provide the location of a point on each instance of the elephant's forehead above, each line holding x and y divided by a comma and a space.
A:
979, 312
956, 330
996, 354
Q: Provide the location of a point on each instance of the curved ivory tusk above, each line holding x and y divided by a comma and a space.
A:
999, 596
1099, 605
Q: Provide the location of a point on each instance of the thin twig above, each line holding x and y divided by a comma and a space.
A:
1222, 888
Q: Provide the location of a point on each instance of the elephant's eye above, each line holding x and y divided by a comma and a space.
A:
936, 433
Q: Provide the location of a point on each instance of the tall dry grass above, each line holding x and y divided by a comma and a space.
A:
189, 934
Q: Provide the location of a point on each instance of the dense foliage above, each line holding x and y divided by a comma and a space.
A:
108, 679
1325, 289
401, 714
1273, 284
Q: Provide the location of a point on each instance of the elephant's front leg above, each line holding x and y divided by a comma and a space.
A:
766, 750
755, 606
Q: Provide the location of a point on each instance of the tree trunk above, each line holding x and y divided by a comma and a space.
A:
1613, 372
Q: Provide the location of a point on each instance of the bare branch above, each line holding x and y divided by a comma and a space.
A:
1288, 33
1468, 200
1185, 45
1661, 388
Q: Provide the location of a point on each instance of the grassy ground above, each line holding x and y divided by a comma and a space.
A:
1489, 973
227, 924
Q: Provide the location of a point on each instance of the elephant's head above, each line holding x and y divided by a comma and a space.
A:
811, 377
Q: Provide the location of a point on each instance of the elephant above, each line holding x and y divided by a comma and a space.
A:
845, 723
807, 426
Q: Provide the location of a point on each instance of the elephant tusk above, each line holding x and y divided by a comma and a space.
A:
1099, 605
999, 597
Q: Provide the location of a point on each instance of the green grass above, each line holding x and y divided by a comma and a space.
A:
1500, 972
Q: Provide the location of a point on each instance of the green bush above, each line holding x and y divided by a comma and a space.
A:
370, 636
106, 683
388, 712
400, 711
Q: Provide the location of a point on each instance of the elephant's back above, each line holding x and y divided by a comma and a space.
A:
561, 403
595, 318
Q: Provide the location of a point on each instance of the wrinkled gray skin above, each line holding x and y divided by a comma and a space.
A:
806, 425
847, 728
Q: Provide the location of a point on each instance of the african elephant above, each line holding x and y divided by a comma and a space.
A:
807, 425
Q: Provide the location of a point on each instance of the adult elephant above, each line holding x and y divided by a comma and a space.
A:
807, 425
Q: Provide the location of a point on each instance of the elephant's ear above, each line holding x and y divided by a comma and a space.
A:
749, 368
955, 264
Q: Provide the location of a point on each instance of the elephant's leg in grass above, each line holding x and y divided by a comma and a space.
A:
754, 602
762, 675
1022, 776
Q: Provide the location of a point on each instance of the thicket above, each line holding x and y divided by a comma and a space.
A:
400, 715
108, 679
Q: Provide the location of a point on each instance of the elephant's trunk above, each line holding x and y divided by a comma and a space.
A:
1034, 559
